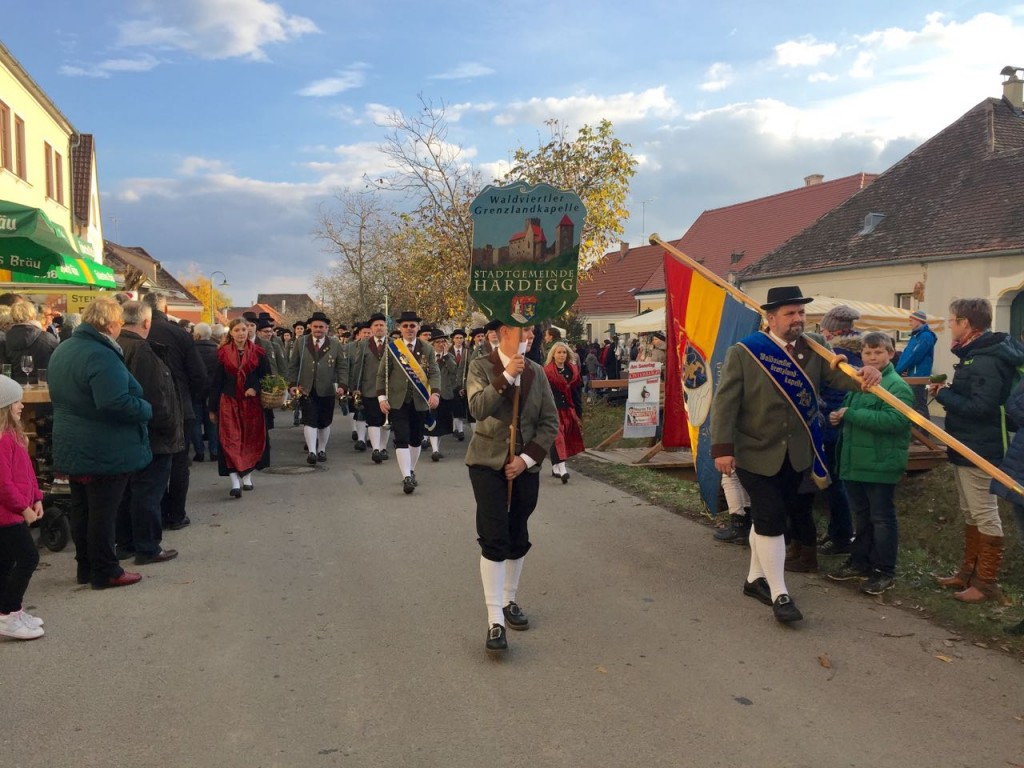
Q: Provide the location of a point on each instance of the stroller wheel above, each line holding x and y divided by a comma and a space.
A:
54, 529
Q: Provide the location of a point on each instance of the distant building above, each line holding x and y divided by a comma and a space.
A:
289, 306
145, 272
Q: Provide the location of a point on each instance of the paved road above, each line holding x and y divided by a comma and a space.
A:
328, 620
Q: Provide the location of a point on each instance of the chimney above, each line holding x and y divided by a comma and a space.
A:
814, 178
284, 304
623, 248
1013, 87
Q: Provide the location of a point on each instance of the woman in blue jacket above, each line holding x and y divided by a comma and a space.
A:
99, 437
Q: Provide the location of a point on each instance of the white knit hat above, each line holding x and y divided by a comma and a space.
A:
10, 391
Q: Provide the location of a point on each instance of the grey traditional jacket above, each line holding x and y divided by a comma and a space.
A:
752, 421
323, 370
398, 389
490, 402
363, 362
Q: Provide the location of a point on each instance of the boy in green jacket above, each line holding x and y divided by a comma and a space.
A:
872, 456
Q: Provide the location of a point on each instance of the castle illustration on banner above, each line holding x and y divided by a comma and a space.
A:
530, 246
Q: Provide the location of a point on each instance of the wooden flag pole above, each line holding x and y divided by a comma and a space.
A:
515, 417
883, 394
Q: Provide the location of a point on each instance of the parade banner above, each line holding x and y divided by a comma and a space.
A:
526, 245
703, 322
643, 400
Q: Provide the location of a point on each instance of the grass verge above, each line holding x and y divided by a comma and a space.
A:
931, 537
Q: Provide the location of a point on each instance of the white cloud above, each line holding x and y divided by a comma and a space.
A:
805, 52
455, 112
465, 71
213, 29
718, 77
346, 80
619, 108
194, 166
821, 77
104, 69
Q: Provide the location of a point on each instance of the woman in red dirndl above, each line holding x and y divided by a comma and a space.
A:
235, 405
567, 386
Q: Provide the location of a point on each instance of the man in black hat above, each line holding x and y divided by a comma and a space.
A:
460, 354
408, 385
765, 427
317, 372
364, 361
449, 382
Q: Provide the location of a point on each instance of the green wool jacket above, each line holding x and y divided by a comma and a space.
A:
753, 422
323, 371
394, 384
875, 438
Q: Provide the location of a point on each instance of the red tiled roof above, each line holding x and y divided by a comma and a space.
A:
615, 280
957, 194
566, 222
537, 231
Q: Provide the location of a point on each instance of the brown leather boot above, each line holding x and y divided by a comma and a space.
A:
962, 578
806, 560
985, 584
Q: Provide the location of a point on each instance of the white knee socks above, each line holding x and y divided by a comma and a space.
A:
559, 468
435, 444
235, 482
322, 436
310, 434
361, 430
457, 425
771, 552
492, 575
513, 570
756, 570
404, 461
414, 456
373, 433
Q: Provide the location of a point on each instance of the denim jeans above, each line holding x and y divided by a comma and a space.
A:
840, 522
876, 543
138, 519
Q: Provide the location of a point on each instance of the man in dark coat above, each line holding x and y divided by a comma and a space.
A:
139, 528
190, 379
207, 349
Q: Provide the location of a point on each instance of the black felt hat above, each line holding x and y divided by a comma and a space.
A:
437, 334
375, 317
264, 322
783, 295
458, 332
493, 326
409, 317
476, 332
318, 316
250, 317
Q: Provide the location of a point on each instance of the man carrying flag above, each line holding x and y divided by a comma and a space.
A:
408, 386
766, 428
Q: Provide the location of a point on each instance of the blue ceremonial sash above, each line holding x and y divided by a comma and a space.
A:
416, 375
798, 390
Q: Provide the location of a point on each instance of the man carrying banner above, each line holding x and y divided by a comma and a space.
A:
766, 428
501, 519
408, 386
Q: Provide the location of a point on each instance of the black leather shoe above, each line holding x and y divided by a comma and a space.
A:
415, 482
321, 456
759, 590
355, 435
384, 454
460, 436
311, 458
247, 486
183, 523
408, 485
496, 642
360, 445
160, 557
514, 617
565, 478
235, 493
436, 456
785, 609
377, 459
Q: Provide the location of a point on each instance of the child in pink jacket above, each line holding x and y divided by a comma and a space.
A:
21, 503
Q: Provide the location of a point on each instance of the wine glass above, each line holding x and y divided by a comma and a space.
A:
26, 366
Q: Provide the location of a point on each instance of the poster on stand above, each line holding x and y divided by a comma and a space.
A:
643, 400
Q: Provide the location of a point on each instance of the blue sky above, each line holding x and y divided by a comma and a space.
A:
222, 125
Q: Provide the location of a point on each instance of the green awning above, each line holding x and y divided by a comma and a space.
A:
36, 250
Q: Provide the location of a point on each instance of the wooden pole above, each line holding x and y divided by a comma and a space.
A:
883, 394
518, 336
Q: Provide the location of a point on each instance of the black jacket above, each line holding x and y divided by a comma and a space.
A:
183, 360
143, 360
973, 401
207, 349
26, 339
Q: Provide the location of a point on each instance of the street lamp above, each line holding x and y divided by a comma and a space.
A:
213, 309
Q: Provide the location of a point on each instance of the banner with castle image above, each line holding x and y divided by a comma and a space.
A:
526, 244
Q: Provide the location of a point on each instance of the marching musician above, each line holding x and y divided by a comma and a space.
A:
363, 364
449, 381
408, 385
317, 372
460, 354
360, 333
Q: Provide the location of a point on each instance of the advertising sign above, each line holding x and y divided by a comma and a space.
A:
526, 245
642, 400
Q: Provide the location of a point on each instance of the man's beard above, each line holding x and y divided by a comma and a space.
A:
794, 333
